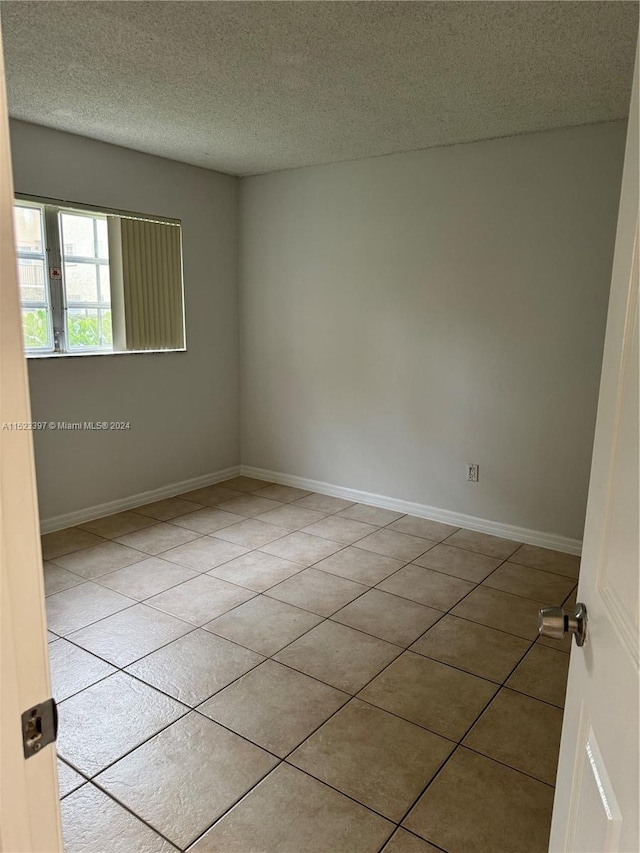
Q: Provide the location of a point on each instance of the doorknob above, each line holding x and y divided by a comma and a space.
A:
554, 622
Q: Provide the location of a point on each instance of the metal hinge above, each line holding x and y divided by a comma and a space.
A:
39, 727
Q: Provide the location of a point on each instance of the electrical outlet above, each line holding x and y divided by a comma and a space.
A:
472, 472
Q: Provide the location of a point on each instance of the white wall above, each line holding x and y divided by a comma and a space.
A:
183, 407
405, 315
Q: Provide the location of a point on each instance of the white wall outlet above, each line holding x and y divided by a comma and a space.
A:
472, 472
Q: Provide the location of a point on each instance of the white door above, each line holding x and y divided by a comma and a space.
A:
596, 803
29, 810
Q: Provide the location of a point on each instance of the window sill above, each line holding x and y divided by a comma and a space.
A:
39, 356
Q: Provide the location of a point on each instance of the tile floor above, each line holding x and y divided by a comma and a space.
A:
251, 667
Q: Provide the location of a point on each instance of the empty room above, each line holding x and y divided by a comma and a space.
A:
319, 435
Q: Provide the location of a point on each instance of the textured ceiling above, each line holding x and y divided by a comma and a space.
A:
250, 87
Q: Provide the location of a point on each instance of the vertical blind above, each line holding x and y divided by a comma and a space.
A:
151, 284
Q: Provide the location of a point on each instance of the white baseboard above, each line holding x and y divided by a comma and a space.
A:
70, 519
482, 525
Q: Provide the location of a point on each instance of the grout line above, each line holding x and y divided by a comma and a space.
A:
518, 595
135, 814
503, 764
91, 777
352, 696
401, 650
280, 760
486, 707
535, 698
415, 835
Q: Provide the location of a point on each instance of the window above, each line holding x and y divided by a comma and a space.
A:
97, 281
32, 278
85, 267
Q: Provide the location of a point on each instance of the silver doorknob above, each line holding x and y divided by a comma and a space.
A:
554, 622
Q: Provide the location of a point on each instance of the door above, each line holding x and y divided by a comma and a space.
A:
29, 810
596, 802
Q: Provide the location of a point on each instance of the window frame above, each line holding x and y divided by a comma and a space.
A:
95, 261
55, 286
27, 304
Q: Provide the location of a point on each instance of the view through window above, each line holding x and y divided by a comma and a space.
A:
97, 281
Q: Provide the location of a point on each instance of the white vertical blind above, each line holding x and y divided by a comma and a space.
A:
152, 284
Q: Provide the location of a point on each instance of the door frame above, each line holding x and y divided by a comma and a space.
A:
29, 805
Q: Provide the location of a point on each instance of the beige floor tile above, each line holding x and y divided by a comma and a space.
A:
204, 554
475, 648
68, 779
483, 543
291, 517
73, 669
317, 591
500, 610
89, 817
390, 543
161, 537
249, 505
343, 530
284, 494
425, 586
147, 578
461, 564
194, 763
370, 514
544, 587
195, 666
251, 533
476, 806
302, 548
56, 578
404, 842
66, 541
274, 706
167, 509
290, 812
548, 560
339, 656
436, 531
201, 599
100, 559
122, 711
542, 674
361, 566
81, 605
521, 732
323, 503
428, 693
256, 570
246, 484
131, 634
388, 617
113, 526
207, 520
378, 759
264, 624
211, 495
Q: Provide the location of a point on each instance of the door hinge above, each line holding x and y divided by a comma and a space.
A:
39, 727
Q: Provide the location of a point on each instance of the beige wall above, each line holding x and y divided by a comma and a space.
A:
405, 315
183, 407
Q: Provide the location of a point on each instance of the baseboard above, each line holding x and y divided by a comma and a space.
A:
70, 519
482, 525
